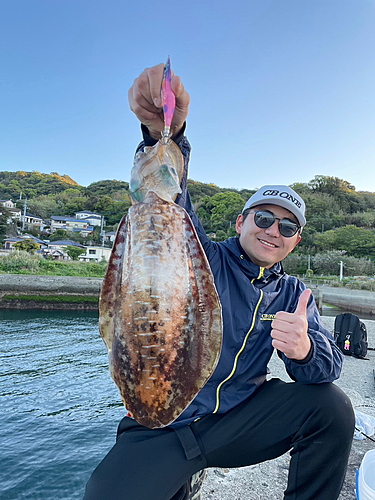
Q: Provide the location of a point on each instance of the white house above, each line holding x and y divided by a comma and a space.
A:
57, 249
33, 220
91, 217
96, 254
7, 203
71, 224
16, 212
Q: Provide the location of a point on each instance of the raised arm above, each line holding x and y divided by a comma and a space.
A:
145, 101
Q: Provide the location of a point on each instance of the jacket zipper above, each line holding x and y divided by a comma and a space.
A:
243, 344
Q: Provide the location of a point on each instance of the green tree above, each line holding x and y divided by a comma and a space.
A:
61, 234
203, 210
220, 235
356, 241
295, 264
199, 190
27, 245
104, 204
362, 219
44, 206
225, 208
5, 216
107, 187
330, 185
115, 211
328, 263
74, 252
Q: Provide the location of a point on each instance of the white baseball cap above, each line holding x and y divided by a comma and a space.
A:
283, 196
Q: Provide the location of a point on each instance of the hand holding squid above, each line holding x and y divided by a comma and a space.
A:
146, 103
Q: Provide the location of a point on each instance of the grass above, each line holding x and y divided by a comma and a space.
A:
19, 262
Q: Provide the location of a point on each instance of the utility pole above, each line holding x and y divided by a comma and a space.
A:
341, 270
101, 231
102, 235
24, 214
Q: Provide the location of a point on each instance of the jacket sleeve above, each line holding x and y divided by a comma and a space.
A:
324, 361
183, 199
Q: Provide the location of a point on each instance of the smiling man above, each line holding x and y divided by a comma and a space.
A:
240, 417
265, 242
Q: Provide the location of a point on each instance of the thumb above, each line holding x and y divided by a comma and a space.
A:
302, 302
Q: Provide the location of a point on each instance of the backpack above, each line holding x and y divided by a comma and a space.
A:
351, 335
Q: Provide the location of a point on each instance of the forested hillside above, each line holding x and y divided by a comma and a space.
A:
339, 217
32, 184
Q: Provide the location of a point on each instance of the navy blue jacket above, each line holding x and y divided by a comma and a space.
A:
250, 297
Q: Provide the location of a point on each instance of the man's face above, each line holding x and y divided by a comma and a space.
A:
265, 247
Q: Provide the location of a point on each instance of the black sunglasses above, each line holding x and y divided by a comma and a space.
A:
264, 219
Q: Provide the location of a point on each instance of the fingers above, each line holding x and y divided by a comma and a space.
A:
143, 93
289, 330
155, 78
302, 302
291, 338
140, 106
145, 101
141, 97
286, 346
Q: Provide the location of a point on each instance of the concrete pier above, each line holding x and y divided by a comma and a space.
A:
20, 291
17, 290
357, 301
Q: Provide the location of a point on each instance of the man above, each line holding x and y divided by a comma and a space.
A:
239, 418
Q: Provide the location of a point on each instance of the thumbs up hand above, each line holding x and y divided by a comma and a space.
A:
289, 330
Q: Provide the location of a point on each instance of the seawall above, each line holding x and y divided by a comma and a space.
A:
20, 291
357, 301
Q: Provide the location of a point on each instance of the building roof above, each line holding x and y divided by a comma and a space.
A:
69, 219
89, 213
33, 216
63, 243
15, 239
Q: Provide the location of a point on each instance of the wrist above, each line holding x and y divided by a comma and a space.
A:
308, 356
150, 140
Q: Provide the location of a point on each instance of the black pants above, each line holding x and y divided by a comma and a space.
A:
315, 422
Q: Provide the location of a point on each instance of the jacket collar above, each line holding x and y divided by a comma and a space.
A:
249, 268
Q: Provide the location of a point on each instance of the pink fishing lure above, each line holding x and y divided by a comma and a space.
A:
168, 97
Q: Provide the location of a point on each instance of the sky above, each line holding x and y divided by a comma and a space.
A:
281, 90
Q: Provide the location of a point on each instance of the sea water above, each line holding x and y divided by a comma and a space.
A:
59, 408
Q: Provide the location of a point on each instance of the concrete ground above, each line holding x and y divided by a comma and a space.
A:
267, 481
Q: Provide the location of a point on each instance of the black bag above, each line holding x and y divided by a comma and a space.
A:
351, 335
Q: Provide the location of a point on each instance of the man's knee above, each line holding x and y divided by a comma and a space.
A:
333, 408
